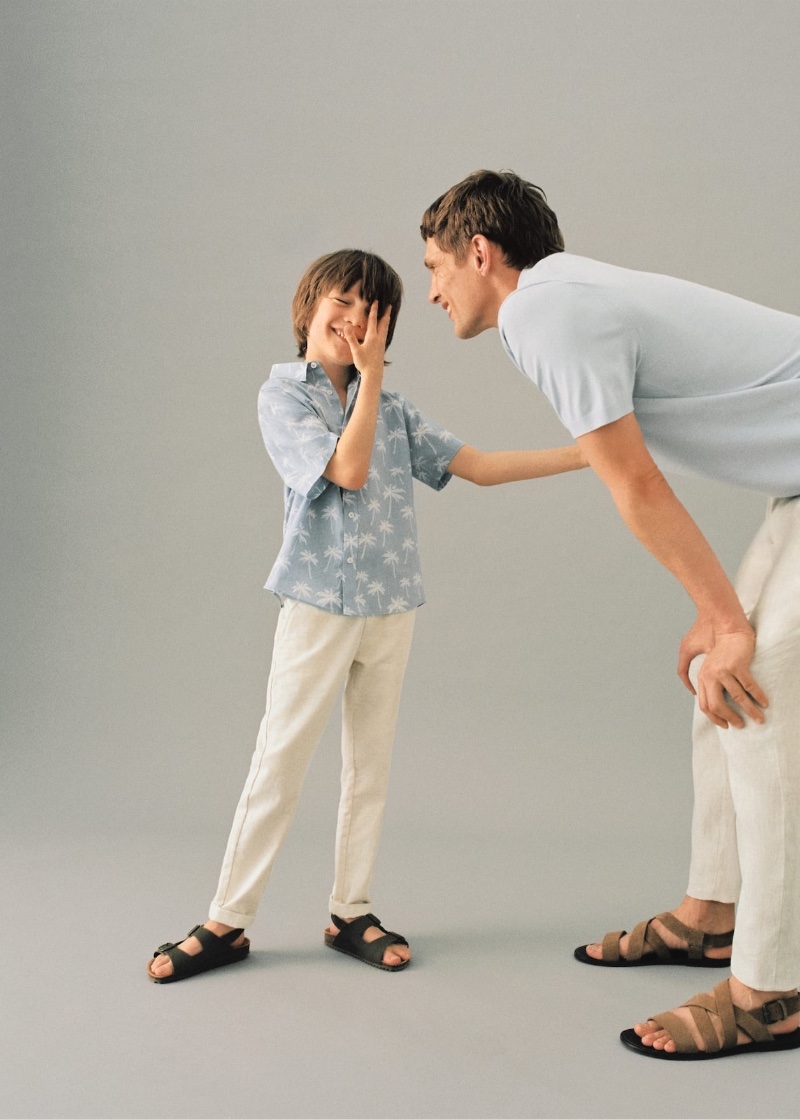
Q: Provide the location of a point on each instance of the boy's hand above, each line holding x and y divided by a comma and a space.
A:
368, 355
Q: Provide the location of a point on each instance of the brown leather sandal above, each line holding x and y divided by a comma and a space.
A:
644, 937
753, 1023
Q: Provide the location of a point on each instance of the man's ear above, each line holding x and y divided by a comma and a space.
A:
482, 253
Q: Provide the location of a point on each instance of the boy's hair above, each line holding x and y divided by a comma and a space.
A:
502, 207
342, 269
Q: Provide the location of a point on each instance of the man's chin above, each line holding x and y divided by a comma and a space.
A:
469, 330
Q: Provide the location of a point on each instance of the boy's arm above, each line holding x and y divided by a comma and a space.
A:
491, 468
349, 464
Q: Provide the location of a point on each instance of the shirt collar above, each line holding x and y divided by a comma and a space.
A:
309, 371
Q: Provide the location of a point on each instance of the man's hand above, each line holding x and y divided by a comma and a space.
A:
368, 355
699, 639
724, 675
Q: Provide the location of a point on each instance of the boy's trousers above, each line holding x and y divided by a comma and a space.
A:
315, 654
746, 825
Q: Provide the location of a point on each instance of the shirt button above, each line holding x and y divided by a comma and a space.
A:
313, 365
352, 516
350, 559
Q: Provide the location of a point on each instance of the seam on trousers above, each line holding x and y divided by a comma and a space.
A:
252, 780
351, 729
782, 909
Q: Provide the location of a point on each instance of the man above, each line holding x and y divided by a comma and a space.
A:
645, 369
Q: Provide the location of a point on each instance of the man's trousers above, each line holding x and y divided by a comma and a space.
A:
746, 825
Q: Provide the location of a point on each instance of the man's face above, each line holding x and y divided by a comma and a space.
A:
459, 288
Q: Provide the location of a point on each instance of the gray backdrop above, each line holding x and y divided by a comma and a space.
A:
170, 168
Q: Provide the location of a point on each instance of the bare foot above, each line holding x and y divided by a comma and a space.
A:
746, 998
396, 954
708, 916
162, 965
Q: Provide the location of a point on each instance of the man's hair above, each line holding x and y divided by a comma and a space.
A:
501, 206
342, 269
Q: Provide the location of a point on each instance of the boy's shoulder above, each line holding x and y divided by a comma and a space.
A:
297, 379
289, 371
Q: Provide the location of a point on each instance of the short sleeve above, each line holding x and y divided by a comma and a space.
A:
577, 347
298, 441
432, 447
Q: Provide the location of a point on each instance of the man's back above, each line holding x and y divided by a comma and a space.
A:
714, 380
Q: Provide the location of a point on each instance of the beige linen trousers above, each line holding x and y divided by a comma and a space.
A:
316, 654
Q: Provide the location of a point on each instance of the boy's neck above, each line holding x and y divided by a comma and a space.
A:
339, 376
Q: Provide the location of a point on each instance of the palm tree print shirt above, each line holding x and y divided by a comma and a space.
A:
348, 551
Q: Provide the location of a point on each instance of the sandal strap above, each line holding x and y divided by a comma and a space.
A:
777, 1010
611, 945
211, 940
732, 1018
644, 937
353, 933
696, 938
214, 947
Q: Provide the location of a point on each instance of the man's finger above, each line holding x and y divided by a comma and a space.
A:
742, 698
685, 658
704, 698
683, 675
753, 688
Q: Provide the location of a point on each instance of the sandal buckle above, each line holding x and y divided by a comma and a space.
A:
774, 1011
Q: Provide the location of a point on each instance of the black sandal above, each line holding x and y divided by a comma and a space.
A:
217, 951
350, 940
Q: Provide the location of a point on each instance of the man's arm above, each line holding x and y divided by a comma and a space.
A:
618, 455
491, 468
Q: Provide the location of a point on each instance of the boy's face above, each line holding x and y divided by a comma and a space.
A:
458, 287
325, 341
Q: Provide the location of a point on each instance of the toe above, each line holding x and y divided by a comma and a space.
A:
595, 951
161, 966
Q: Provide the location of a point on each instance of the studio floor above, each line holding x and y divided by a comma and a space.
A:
493, 1020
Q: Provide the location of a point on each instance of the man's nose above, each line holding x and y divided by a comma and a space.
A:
433, 292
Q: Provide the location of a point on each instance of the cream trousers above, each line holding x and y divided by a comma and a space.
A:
746, 825
315, 654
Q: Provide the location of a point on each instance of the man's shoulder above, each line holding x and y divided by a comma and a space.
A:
559, 272
562, 289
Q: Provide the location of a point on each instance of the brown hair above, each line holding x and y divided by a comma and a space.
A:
506, 209
341, 270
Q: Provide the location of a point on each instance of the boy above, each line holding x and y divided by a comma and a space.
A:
349, 581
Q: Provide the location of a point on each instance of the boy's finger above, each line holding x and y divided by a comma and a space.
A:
350, 336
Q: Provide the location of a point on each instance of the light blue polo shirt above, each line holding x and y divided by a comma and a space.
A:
714, 380
348, 551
